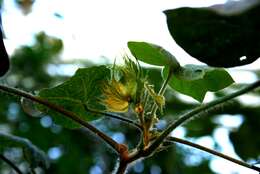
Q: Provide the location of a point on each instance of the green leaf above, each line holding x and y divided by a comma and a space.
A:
191, 72
32, 154
217, 39
196, 81
152, 54
82, 89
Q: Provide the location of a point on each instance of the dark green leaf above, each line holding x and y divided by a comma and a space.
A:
216, 39
83, 88
196, 81
32, 154
152, 54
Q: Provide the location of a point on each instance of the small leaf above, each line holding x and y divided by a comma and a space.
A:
152, 54
196, 81
82, 89
216, 39
32, 154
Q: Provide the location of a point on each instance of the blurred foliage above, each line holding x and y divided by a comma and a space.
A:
247, 149
37, 58
25, 5
78, 151
29, 72
34, 156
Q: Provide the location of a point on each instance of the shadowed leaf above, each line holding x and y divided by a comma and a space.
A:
83, 88
196, 81
216, 39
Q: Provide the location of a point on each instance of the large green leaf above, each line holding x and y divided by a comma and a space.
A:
152, 54
196, 81
32, 154
216, 39
83, 88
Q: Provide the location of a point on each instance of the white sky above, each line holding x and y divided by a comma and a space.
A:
91, 29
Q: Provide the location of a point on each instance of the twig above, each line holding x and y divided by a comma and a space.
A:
126, 120
122, 166
11, 164
152, 114
205, 149
196, 111
66, 113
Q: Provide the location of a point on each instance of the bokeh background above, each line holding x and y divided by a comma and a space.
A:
48, 40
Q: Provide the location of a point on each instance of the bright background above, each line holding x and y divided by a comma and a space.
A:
101, 28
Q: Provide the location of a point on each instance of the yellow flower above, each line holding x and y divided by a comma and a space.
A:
117, 97
122, 89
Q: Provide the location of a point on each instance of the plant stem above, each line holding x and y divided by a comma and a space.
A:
122, 167
162, 91
11, 164
196, 111
152, 115
66, 113
123, 119
188, 143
